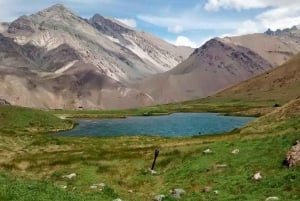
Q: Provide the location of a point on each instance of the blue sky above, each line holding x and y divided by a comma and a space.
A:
182, 22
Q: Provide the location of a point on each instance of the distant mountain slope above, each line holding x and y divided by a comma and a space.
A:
80, 87
222, 62
275, 49
210, 68
281, 84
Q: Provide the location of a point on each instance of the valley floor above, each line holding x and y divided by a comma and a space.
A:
34, 164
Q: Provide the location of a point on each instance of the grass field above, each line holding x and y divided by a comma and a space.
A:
225, 106
33, 163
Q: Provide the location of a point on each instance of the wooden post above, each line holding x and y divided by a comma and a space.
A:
156, 152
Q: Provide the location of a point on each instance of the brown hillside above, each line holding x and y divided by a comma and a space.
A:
281, 84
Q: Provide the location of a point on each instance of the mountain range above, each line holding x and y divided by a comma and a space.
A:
56, 59
220, 63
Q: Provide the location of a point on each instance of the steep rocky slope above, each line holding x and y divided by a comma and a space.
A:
157, 53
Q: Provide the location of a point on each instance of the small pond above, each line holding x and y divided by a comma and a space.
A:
174, 125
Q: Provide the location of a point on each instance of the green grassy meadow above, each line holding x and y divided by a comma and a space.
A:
33, 162
211, 104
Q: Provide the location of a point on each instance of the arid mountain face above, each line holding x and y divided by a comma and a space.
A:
220, 63
55, 59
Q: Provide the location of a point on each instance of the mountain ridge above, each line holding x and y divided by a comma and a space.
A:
103, 64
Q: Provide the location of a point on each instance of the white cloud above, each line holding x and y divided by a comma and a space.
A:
215, 5
184, 41
129, 22
248, 27
281, 17
187, 22
278, 14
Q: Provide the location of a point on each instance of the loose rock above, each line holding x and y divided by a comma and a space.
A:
177, 193
257, 176
293, 156
99, 186
273, 198
235, 151
93, 187
221, 165
118, 199
159, 197
70, 176
207, 151
216, 192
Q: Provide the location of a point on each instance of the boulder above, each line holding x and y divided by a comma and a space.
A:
257, 176
177, 193
293, 155
4, 102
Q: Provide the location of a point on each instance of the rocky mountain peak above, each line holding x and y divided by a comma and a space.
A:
57, 11
212, 43
56, 8
280, 32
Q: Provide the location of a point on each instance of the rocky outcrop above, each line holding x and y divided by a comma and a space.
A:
4, 102
282, 32
293, 155
22, 25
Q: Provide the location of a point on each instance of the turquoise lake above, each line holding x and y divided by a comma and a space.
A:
174, 125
